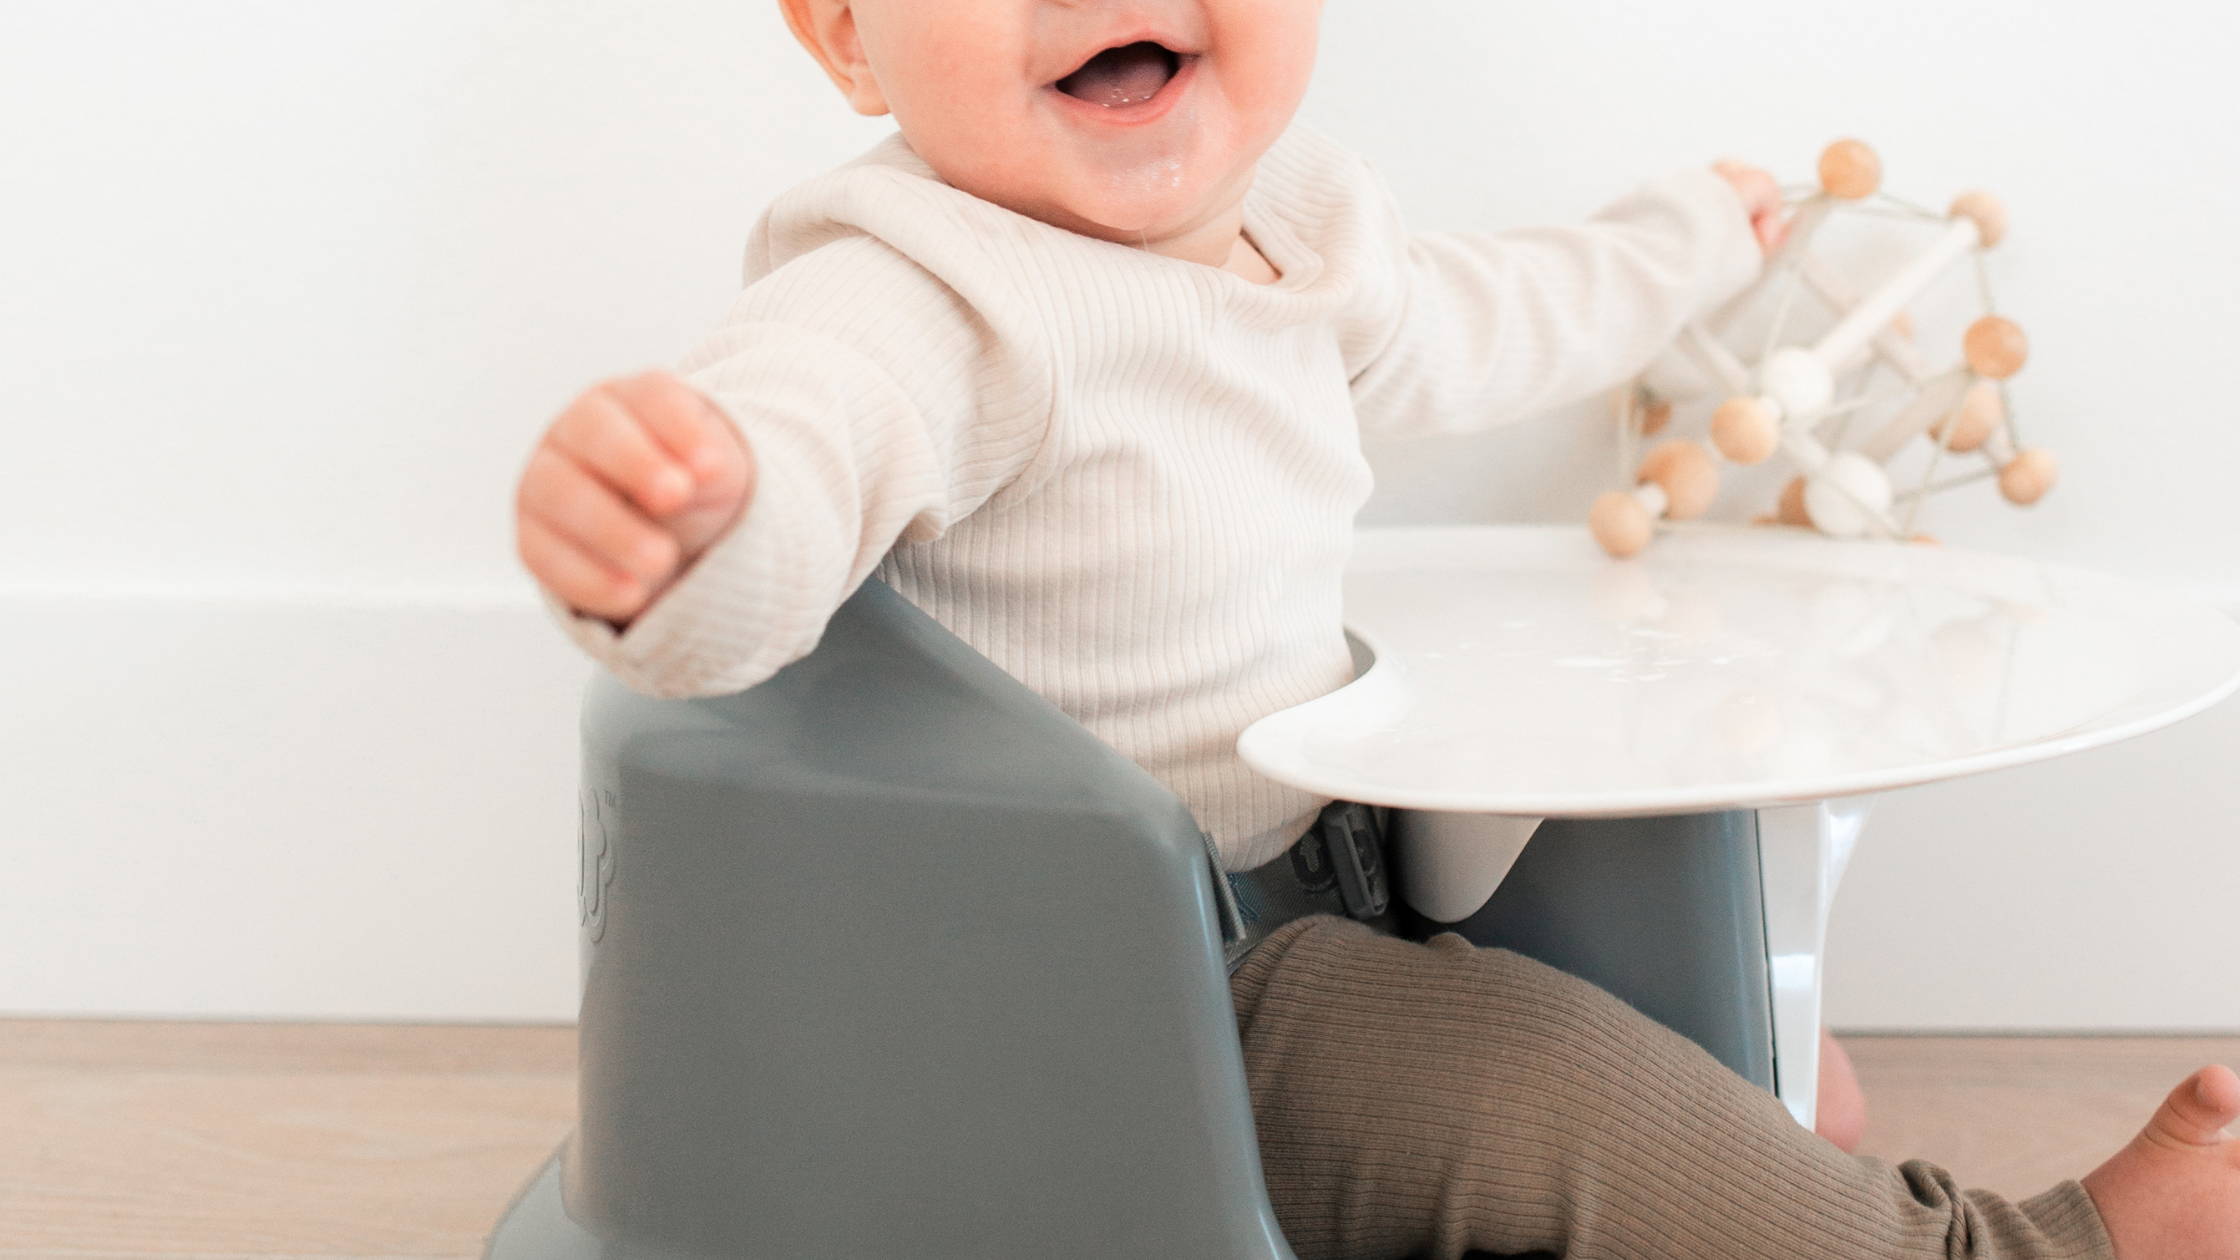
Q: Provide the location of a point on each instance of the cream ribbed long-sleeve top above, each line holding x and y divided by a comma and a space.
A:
1130, 480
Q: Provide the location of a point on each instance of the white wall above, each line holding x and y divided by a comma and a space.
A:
287, 290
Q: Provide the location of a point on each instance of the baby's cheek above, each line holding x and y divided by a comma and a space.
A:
1265, 52
951, 71
979, 160
978, 141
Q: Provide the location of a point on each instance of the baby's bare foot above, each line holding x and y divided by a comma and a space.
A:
1841, 1116
2174, 1193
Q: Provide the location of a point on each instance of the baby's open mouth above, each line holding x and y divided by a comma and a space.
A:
1128, 75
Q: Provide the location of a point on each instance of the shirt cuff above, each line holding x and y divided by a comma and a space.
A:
1731, 257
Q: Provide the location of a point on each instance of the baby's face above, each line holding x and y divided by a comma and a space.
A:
1120, 119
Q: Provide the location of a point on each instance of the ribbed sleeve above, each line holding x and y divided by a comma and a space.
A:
1130, 480
1481, 328
879, 407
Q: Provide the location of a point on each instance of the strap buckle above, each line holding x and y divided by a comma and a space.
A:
1352, 830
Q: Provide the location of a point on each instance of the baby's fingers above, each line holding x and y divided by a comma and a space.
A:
585, 511
1761, 200
601, 433
1773, 233
692, 432
1759, 193
570, 573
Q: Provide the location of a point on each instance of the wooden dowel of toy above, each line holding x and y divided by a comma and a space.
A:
1805, 451
1882, 305
1858, 359
1949, 483
1938, 400
1859, 403
1803, 225
1895, 347
1998, 448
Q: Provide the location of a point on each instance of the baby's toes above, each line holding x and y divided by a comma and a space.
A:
2197, 1112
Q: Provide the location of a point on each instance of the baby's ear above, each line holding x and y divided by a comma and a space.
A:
827, 28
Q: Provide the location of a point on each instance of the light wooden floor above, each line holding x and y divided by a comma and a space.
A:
202, 1141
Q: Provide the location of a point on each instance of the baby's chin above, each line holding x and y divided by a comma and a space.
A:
1129, 188
1154, 201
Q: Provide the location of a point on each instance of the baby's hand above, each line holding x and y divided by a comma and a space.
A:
1762, 197
636, 478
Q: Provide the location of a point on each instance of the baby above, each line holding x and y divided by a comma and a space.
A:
1079, 363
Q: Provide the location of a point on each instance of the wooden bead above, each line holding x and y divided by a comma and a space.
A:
1621, 524
1982, 412
1995, 347
1745, 431
1689, 477
1988, 211
1790, 511
1850, 170
2028, 476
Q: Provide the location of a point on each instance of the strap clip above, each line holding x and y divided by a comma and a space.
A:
1351, 831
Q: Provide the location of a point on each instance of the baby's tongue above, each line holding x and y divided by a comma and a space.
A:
1120, 76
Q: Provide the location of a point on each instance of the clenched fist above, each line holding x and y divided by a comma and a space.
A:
632, 482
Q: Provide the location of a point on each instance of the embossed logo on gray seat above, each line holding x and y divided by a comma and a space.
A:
594, 860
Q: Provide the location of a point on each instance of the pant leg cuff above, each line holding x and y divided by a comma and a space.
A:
2070, 1218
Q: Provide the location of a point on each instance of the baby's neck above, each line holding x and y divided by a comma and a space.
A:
1217, 242
1246, 260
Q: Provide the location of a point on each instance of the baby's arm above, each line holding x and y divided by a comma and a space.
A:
875, 406
1469, 330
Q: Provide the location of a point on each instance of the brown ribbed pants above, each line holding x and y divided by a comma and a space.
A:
1437, 1099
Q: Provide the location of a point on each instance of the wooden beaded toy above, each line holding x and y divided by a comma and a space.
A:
1786, 402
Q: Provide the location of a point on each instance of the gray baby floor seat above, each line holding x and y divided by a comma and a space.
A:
887, 957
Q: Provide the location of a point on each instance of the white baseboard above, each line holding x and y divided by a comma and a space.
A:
259, 805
